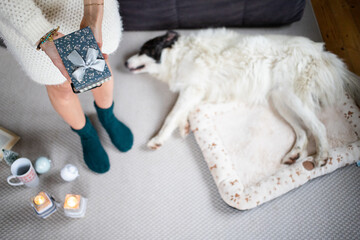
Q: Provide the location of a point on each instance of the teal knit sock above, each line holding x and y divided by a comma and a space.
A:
120, 134
94, 154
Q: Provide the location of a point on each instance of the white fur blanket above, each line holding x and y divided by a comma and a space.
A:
243, 147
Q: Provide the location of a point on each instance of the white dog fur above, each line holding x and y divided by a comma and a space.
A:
294, 74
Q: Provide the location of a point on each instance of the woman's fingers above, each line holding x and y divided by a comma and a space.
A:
50, 50
99, 44
63, 70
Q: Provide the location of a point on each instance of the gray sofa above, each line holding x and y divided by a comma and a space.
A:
189, 14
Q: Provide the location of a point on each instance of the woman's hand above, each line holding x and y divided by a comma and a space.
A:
93, 15
49, 48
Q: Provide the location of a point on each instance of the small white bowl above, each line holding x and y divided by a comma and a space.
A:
69, 173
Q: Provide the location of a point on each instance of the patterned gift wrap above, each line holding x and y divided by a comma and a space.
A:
83, 60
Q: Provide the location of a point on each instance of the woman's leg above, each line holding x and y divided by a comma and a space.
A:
120, 134
67, 104
104, 95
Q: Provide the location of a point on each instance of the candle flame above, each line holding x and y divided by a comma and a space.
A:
71, 202
38, 200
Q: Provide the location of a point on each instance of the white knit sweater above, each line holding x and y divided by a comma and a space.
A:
24, 22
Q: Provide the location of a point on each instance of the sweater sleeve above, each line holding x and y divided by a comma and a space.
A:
26, 18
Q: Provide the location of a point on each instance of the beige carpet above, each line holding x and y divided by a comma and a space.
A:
166, 194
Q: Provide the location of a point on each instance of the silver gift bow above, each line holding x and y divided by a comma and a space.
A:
91, 61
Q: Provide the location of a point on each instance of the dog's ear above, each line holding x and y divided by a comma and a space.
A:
157, 53
171, 36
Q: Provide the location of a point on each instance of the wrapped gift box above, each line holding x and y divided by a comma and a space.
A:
83, 60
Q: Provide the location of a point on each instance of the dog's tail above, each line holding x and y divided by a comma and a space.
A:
352, 85
339, 71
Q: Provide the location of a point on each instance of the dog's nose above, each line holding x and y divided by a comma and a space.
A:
126, 64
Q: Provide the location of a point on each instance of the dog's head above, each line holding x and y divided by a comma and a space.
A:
149, 57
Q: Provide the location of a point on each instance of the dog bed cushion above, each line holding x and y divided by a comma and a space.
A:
243, 147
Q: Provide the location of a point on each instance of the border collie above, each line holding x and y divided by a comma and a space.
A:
294, 74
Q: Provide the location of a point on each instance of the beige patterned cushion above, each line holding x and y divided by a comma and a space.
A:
243, 146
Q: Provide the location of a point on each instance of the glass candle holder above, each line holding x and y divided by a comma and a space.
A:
75, 206
43, 205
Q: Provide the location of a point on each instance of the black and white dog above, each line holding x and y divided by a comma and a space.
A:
295, 74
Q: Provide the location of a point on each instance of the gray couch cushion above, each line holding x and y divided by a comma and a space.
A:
187, 14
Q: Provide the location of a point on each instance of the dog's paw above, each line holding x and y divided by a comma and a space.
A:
321, 158
295, 154
154, 143
184, 129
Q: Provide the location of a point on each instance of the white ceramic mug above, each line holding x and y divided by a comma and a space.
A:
23, 170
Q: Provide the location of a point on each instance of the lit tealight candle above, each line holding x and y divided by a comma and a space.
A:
72, 201
39, 200
43, 205
75, 206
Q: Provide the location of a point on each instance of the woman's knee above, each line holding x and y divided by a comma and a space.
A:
62, 92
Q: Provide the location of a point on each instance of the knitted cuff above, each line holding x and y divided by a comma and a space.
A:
87, 131
105, 114
36, 27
